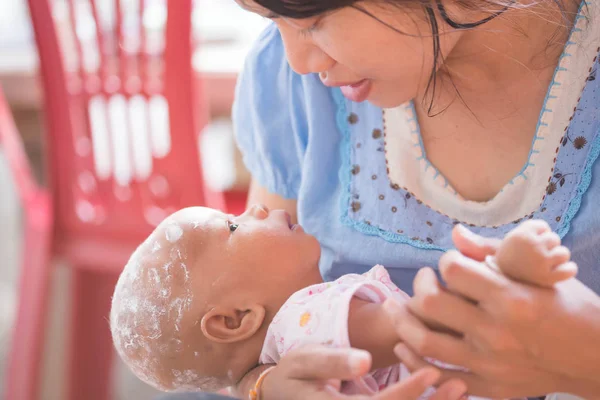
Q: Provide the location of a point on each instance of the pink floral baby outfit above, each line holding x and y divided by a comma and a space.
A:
318, 314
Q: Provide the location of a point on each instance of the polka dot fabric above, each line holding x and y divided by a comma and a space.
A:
376, 206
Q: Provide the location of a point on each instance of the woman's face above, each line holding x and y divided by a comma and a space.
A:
358, 52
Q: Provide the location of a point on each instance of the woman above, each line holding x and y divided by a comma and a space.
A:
383, 124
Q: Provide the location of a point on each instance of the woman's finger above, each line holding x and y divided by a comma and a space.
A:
454, 389
472, 245
470, 278
411, 388
450, 389
475, 385
427, 343
324, 363
409, 358
432, 302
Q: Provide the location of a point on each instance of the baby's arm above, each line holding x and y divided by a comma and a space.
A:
532, 253
370, 329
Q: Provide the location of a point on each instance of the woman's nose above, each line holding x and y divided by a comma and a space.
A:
304, 56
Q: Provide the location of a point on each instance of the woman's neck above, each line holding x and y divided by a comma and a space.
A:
490, 93
519, 45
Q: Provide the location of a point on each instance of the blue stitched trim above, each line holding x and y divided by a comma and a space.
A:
559, 68
367, 229
586, 176
582, 187
345, 180
417, 131
541, 123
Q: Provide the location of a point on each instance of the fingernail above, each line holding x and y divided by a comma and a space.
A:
469, 235
399, 350
359, 361
331, 389
461, 228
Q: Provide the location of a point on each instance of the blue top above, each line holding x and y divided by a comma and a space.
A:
305, 141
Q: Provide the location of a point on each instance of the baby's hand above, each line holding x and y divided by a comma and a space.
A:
532, 253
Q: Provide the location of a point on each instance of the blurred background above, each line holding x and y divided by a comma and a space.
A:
221, 34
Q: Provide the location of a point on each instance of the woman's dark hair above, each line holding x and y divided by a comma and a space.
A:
300, 9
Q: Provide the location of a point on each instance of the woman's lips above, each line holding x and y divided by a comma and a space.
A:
358, 91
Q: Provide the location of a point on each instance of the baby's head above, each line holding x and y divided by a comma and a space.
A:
192, 306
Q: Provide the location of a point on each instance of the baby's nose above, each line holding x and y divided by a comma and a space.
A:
259, 211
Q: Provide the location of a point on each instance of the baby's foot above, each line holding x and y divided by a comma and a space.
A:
533, 253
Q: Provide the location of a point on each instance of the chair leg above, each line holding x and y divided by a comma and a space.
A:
90, 346
26, 351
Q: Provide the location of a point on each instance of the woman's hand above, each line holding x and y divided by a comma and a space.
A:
515, 339
316, 372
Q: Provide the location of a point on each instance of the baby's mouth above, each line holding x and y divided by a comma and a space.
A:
288, 219
291, 226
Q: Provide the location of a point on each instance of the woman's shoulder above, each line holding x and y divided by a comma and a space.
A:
267, 52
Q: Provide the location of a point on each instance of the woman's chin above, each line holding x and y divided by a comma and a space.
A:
385, 99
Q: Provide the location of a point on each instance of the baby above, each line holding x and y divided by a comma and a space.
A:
208, 296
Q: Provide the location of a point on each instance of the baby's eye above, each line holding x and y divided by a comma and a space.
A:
232, 226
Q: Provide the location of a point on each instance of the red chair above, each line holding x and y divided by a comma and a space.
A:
121, 152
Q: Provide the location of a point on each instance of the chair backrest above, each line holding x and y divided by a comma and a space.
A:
12, 147
121, 110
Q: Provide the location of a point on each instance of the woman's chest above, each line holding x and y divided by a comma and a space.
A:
487, 130
352, 201
362, 218
478, 157
371, 194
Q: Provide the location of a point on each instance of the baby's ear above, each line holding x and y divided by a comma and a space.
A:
230, 325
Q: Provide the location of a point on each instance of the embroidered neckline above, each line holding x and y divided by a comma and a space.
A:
418, 225
544, 130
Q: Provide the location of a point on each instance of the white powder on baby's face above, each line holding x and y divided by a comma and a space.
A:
145, 309
196, 224
190, 381
173, 232
135, 323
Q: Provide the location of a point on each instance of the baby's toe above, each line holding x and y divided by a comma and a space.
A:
535, 226
559, 255
564, 271
549, 240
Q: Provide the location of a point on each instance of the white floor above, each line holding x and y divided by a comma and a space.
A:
127, 386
